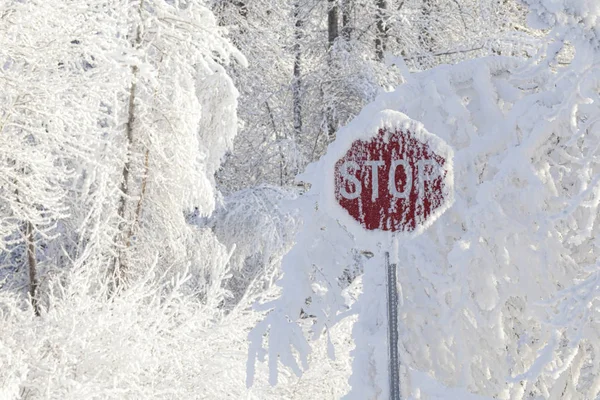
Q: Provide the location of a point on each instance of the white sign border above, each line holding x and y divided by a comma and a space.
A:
323, 172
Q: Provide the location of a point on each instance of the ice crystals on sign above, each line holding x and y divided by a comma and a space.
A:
392, 182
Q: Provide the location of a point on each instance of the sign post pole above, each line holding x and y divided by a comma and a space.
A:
394, 180
392, 308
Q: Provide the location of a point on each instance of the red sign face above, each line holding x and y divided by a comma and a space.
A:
392, 182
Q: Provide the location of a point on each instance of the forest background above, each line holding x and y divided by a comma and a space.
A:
148, 201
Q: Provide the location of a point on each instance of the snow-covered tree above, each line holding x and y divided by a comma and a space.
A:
260, 229
54, 108
315, 64
179, 118
113, 134
487, 305
561, 151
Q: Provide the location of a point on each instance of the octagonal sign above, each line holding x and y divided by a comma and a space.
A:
399, 179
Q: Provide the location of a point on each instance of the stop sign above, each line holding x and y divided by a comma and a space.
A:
399, 179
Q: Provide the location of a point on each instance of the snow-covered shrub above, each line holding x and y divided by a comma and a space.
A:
259, 228
146, 343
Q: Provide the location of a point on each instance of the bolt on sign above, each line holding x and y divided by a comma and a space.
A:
395, 181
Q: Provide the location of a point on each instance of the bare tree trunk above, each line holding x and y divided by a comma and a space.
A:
346, 9
381, 35
121, 266
297, 82
332, 23
279, 137
333, 34
426, 39
138, 208
32, 261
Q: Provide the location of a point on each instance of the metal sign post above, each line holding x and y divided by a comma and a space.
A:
395, 181
392, 308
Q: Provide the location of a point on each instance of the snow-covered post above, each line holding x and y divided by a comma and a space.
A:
391, 179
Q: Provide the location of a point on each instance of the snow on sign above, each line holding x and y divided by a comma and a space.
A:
391, 179
397, 180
